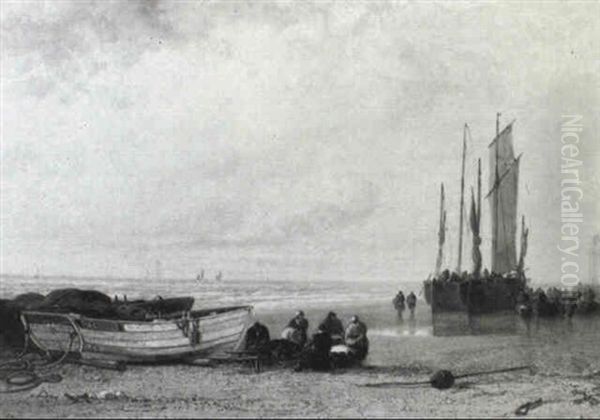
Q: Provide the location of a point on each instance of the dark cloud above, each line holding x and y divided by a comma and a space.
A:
64, 45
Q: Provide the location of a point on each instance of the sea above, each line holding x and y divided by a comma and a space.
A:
549, 346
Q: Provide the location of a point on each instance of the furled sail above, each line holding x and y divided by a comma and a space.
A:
441, 234
476, 253
523, 253
504, 180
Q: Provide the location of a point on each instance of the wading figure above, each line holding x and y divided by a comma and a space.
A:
525, 308
399, 303
411, 301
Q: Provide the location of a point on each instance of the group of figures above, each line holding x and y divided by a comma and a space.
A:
400, 303
331, 346
486, 275
554, 302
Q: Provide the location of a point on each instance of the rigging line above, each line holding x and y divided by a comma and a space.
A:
504, 175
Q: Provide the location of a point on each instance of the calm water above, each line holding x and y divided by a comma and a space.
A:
553, 346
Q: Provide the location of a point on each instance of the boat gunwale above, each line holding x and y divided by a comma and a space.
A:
162, 321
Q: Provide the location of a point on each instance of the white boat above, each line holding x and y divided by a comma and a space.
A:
194, 335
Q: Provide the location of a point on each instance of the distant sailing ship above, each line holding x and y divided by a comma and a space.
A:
218, 277
477, 292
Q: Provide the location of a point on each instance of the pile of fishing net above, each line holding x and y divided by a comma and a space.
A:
89, 303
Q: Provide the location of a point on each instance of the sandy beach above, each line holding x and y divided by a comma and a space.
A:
564, 374
237, 391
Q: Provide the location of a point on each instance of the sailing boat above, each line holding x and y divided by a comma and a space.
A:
476, 292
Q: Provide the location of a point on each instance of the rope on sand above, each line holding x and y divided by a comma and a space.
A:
442, 379
22, 372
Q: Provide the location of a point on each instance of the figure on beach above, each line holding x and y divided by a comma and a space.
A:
525, 308
411, 301
399, 303
334, 327
317, 353
296, 329
356, 338
257, 338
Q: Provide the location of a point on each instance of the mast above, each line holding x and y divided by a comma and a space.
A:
441, 233
495, 198
479, 190
475, 220
462, 199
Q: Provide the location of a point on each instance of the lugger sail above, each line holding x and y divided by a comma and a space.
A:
504, 182
477, 291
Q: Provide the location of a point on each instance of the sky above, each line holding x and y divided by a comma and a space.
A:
283, 140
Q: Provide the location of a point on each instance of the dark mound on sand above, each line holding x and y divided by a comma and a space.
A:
84, 302
29, 300
11, 329
89, 303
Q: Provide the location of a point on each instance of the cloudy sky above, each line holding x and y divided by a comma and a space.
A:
281, 139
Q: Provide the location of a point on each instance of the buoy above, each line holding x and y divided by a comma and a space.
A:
442, 379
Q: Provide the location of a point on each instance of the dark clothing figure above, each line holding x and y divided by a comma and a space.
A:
334, 327
570, 308
281, 350
524, 305
316, 356
300, 324
356, 338
411, 301
523, 297
257, 338
542, 307
399, 303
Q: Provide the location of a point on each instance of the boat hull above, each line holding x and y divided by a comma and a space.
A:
473, 296
200, 334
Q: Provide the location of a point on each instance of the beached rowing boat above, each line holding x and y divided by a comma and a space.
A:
196, 334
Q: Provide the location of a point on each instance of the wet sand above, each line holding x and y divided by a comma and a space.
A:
564, 372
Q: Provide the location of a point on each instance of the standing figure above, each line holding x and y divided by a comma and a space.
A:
525, 308
399, 303
411, 301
